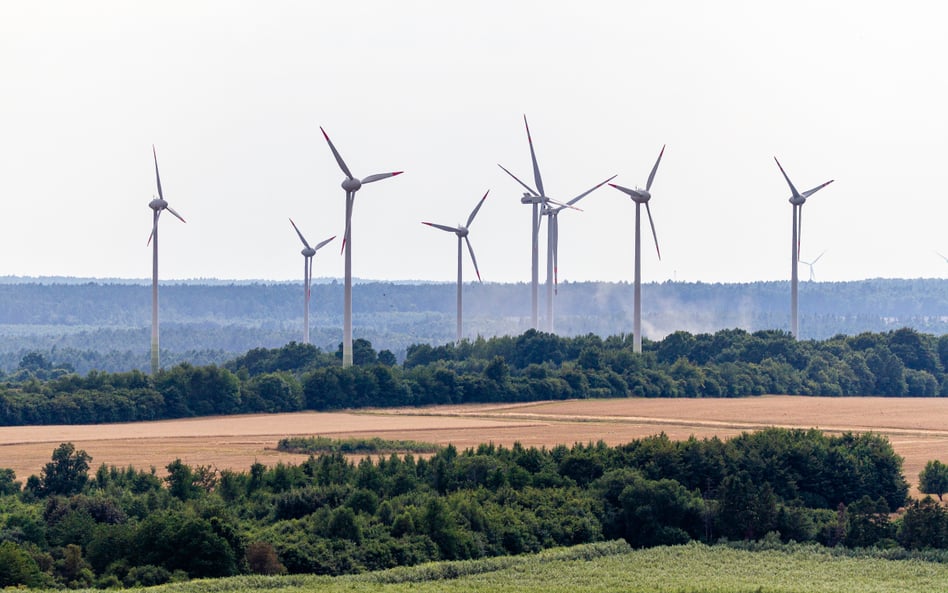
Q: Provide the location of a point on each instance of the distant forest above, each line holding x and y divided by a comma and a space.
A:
105, 325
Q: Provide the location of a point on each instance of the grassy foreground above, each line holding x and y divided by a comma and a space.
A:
613, 567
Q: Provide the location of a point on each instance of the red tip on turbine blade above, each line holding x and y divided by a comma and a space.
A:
614, 185
325, 135
397, 173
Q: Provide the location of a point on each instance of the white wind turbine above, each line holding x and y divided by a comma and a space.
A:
538, 199
797, 200
811, 264
351, 185
552, 248
157, 205
308, 253
641, 196
462, 232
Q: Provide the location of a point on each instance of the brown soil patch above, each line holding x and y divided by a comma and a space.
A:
916, 427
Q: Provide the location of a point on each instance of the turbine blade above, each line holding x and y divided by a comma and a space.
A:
299, 233
652, 224
473, 259
589, 191
799, 230
527, 187
322, 244
533, 157
555, 229
157, 176
450, 229
561, 204
150, 235
176, 215
810, 192
818, 258
470, 218
335, 153
345, 236
309, 275
941, 256
793, 190
154, 228
624, 190
651, 176
378, 176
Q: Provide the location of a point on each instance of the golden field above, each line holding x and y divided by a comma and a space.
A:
916, 427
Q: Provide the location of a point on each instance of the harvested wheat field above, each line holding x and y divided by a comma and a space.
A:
916, 427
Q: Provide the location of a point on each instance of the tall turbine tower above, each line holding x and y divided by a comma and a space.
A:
552, 248
462, 233
796, 200
308, 253
538, 199
641, 196
351, 185
157, 205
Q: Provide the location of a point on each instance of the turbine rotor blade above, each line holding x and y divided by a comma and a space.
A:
335, 153
176, 215
589, 191
525, 186
378, 176
810, 192
470, 218
322, 244
555, 229
473, 259
533, 157
651, 176
652, 224
157, 176
300, 234
793, 190
799, 230
818, 258
561, 204
624, 190
450, 229
154, 228
349, 205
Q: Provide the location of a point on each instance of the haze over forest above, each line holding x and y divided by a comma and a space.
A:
90, 324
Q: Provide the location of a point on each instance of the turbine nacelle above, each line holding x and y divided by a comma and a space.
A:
351, 184
158, 204
308, 252
797, 200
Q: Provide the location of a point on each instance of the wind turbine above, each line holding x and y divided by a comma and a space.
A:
552, 248
157, 205
462, 232
308, 253
351, 185
538, 199
797, 200
641, 196
811, 264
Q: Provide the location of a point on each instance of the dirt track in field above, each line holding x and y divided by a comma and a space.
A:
916, 427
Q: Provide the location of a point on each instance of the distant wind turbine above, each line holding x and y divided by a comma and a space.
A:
552, 248
308, 253
540, 201
641, 196
811, 264
157, 205
797, 200
462, 232
351, 185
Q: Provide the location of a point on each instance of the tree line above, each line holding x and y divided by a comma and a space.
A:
331, 514
102, 326
530, 367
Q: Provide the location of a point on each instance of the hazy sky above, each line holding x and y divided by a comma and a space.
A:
233, 94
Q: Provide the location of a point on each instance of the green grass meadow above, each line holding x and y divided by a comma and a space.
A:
613, 568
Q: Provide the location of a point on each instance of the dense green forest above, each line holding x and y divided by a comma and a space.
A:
118, 526
104, 325
533, 366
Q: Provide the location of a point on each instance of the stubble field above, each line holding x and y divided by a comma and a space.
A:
916, 427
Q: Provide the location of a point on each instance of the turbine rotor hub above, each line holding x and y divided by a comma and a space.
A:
351, 185
308, 252
797, 201
641, 196
158, 204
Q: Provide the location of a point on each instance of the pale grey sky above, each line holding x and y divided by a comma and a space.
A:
233, 94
